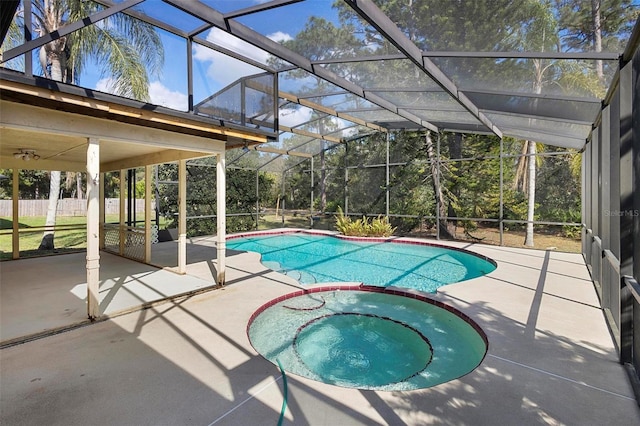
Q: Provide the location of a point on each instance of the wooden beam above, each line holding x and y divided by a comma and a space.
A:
160, 157
310, 134
8, 162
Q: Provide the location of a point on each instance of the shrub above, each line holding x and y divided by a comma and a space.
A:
378, 227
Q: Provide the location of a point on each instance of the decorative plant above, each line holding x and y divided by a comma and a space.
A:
378, 227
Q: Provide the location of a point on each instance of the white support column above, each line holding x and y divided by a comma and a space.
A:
93, 227
147, 213
15, 197
102, 211
122, 234
182, 216
221, 212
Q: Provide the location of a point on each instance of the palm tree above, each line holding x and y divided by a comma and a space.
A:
541, 34
126, 49
525, 181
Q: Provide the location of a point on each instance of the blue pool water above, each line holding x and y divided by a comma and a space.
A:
367, 340
314, 259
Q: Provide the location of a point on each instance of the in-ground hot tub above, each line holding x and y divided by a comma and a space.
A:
367, 337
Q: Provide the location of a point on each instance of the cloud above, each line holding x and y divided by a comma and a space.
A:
105, 85
158, 93
162, 95
222, 69
231, 42
293, 117
279, 37
352, 131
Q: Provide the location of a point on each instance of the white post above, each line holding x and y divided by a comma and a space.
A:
122, 233
221, 216
102, 210
93, 227
147, 213
15, 234
182, 216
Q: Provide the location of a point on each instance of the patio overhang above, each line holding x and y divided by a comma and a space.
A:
55, 122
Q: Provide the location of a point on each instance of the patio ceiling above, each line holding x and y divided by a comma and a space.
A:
481, 89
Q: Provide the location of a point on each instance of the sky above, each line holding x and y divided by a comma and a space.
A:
212, 70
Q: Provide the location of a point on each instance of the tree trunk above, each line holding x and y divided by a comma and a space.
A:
54, 57
531, 193
521, 182
52, 209
531, 160
323, 179
597, 36
447, 229
455, 152
79, 193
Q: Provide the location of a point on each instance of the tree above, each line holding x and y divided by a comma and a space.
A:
241, 196
579, 31
126, 49
540, 35
447, 228
468, 25
596, 25
74, 180
321, 40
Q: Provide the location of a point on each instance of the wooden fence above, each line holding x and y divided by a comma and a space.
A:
66, 207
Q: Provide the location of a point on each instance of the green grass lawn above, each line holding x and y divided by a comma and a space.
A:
485, 235
71, 237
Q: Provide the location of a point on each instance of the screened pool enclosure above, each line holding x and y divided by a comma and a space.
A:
512, 123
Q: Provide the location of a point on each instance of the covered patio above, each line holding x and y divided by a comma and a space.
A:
71, 131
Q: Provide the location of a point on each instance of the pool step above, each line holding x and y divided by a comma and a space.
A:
300, 276
273, 265
307, 278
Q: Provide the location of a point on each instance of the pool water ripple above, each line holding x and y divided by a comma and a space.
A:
311, 259
348, 348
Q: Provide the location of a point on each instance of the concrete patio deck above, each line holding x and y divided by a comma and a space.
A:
188, 360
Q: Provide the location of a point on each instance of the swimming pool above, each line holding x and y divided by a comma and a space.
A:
312, 258
367, 338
